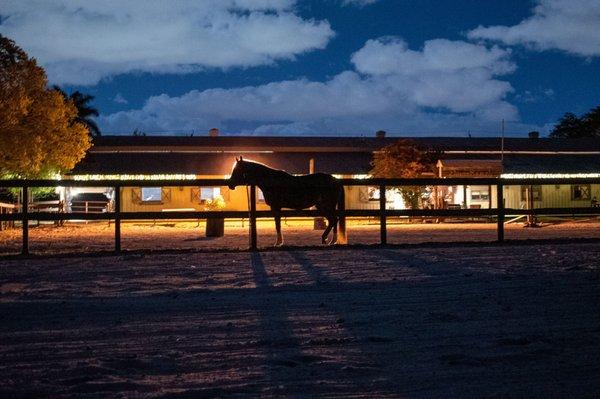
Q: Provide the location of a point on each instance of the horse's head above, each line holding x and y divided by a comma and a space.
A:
239, 174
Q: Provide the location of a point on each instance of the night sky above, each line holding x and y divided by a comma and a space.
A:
329, 67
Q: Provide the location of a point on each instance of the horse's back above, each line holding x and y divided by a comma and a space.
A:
303, 191
317, 180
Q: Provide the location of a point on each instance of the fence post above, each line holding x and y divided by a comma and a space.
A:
342, 237
500, 207
382, 218
117, 219
252, 219
25, 220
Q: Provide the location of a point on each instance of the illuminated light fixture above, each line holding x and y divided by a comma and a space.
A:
133, 177
550, 175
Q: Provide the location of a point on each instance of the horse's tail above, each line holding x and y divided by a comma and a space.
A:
341, 220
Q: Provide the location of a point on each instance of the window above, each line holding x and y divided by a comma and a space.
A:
209, 193
151, 194
480, 194
373, 193
536, 192
580, 192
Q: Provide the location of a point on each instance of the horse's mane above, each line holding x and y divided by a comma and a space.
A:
266, 168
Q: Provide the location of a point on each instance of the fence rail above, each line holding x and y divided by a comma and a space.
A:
500, 212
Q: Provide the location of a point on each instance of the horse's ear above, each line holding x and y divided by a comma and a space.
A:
241, 158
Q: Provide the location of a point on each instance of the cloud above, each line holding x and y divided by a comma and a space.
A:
444, 87
119, 99
359, 3
567, 25
86, 41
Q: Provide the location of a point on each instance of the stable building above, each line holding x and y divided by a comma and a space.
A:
184, 158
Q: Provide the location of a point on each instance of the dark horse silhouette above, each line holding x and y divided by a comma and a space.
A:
283, 190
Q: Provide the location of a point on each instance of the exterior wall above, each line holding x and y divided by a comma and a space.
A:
356, 197
186, 197
553, 196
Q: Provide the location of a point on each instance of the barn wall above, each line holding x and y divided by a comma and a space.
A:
553, 196
355, 198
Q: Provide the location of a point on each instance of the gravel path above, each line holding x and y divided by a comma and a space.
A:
485, 321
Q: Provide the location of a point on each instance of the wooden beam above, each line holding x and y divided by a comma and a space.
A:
500, 210
25, 220
382, 217
252, 220
117, 219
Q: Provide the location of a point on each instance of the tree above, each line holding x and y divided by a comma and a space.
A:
570, 126
404, 159
39, 133
591, 121
84, 110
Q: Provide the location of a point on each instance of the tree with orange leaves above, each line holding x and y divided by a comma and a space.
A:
404, 159
39, 134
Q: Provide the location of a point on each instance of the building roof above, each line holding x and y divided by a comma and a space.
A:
265, 143
552, 164
338, 155
219, 164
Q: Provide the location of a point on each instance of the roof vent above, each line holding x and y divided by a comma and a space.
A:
214, 132
380, 134
534, 135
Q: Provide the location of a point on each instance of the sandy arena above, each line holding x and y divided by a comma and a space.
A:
448, 321
98, 237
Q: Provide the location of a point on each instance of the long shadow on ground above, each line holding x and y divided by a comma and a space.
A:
389, 322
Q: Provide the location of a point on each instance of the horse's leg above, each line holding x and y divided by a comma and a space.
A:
319, 207
279, 240
332, 220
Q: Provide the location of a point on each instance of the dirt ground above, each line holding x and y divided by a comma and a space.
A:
453, 321
96, 237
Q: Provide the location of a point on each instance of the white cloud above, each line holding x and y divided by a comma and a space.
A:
85, 41
445, 87
567, 25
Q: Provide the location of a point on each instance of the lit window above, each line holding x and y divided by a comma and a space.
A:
151, 194
536, 192
580, 192
209, 193
480, 195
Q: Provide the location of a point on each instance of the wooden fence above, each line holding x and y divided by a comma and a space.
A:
252, 214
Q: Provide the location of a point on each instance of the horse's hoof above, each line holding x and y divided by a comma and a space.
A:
279, 244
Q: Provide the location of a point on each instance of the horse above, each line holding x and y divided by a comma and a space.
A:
283, 190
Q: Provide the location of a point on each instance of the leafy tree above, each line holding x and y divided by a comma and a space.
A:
591, 122
39, 133
570, 126
404, 159
84, 110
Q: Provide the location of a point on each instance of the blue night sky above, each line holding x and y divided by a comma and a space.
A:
329, 67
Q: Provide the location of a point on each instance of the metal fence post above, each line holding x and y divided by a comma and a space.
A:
117, 219
25, 220
252, 219
500, 207
382, 218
